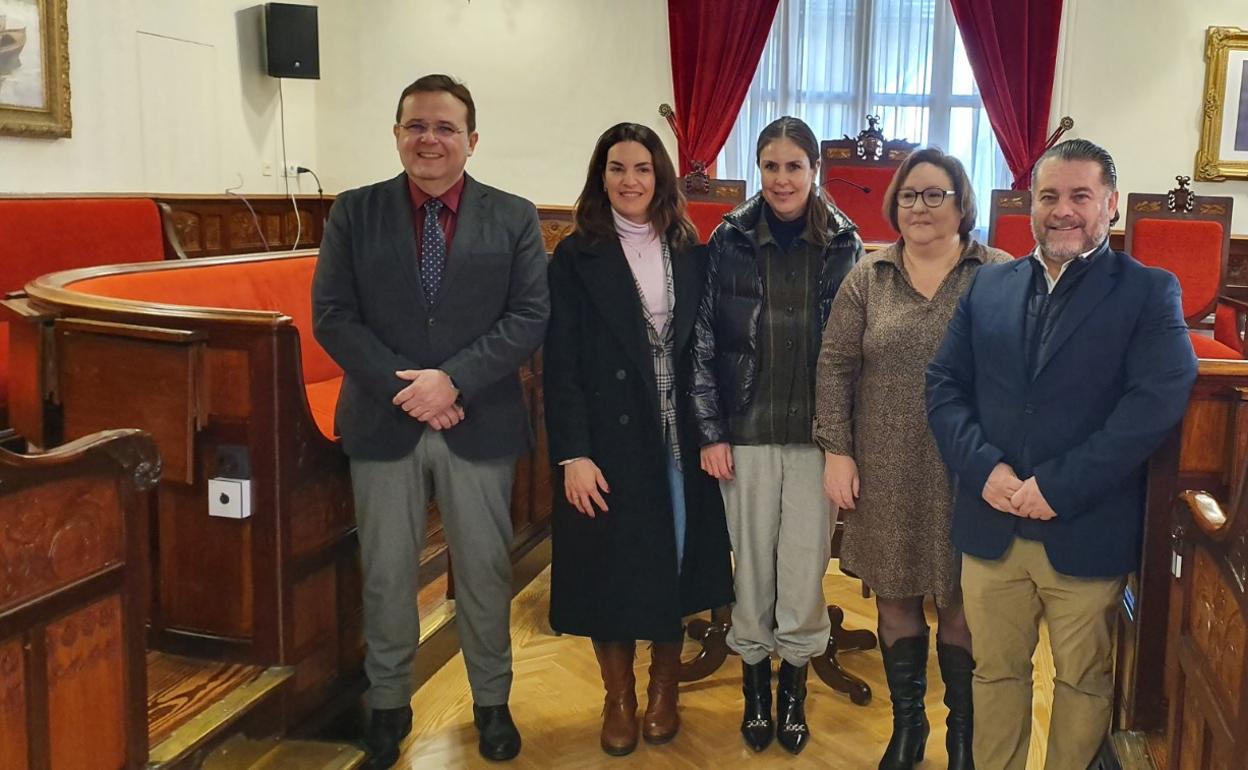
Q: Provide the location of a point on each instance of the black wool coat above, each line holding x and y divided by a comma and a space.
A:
614, 577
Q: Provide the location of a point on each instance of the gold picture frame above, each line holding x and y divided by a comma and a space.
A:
1223, 152
34, 69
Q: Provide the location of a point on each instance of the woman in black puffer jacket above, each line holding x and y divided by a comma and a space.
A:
775, 263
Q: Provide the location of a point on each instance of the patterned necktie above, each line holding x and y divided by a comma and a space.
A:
432, 251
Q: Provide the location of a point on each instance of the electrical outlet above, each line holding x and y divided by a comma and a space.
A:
292, 170
266, 169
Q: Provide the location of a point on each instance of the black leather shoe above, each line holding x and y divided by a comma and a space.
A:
500, 740
756, 725
386, 730
792, 732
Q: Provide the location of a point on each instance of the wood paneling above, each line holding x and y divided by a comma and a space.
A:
228, 376
205, 566
1195, 571
1217, 629
215, 225
160, 379
13, 713
55, 536
86, 684
557, 223
1205, 437
322, 511
316, 631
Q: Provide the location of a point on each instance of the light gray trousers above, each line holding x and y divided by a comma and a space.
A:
474, 496
780, 523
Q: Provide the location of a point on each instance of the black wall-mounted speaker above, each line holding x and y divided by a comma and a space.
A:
291, 47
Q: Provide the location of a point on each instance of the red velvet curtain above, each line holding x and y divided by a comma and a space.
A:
716, 45
1012, 47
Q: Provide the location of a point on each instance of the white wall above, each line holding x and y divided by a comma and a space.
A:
167, 97
1131, 73
548, 77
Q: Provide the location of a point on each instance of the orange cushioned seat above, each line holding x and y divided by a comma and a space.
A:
1208, 347
44, 235
281, 285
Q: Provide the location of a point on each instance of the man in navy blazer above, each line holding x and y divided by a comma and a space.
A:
430, 292
1059, 375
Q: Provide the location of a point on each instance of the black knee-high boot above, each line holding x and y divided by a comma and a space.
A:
905, 667
792, 732
756, 725
956, 665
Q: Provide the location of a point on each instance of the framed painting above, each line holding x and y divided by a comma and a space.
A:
1223, 152
34, 68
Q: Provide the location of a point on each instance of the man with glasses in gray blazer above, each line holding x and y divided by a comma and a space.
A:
430, 293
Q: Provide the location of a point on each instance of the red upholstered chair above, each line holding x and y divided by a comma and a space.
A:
709, 199
856, 173
46, 235
1190, 236
1009, 223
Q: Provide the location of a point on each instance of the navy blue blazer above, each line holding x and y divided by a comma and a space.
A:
1109, 386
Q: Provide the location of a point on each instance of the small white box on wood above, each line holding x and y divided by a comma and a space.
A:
229, 498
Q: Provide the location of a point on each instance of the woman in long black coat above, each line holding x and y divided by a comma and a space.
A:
639, 535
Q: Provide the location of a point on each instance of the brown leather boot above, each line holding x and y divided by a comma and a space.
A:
619, 711
661, 721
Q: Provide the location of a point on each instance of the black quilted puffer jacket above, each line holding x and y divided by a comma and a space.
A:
726, 360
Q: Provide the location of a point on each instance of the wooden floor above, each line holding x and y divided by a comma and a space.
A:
557, 699
178, 688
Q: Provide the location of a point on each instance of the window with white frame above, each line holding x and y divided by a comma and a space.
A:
832, 62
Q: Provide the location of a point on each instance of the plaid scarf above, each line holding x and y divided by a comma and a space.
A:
661, 344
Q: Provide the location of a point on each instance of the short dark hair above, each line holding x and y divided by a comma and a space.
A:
438, 82
667, 211
796, 131
1081, 149
957, 173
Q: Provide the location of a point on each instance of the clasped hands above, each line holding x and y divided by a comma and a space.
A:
1006, 492
429, 397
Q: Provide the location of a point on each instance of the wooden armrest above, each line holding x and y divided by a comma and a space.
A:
20, 309
1205, 510
135, 331
1237, 302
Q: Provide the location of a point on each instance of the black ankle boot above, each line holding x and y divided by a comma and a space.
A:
956, 665
756, 725
792, 731
905, 667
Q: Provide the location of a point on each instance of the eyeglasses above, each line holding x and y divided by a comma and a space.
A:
932, 197
440, 130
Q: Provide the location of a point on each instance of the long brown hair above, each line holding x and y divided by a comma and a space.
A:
667, 211
800, 134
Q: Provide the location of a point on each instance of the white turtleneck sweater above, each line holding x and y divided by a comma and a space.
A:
644, 252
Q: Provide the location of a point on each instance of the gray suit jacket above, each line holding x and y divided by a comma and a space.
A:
370, 315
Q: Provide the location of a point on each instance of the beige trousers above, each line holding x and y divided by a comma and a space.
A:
1005, 600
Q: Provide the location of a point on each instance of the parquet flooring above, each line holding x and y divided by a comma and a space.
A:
557, 699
